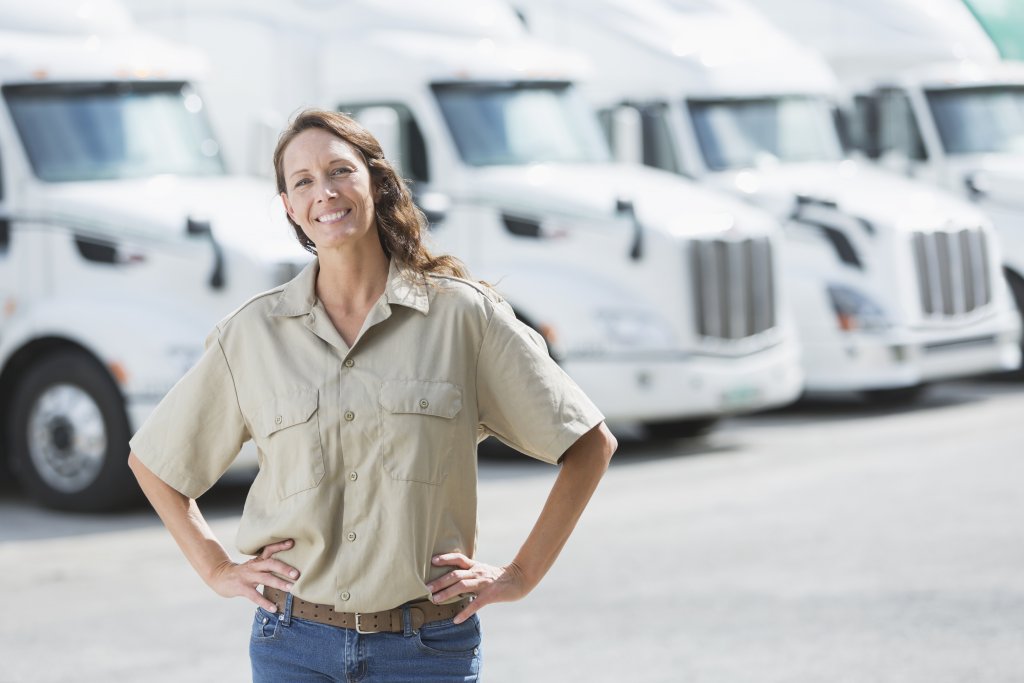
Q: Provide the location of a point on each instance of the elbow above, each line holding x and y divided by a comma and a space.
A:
609, 444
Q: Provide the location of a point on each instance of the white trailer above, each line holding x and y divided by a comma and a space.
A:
658, 297
894, 283
122, 242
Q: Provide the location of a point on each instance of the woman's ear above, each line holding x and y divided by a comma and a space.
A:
287, 205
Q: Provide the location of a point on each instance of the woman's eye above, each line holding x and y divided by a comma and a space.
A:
302, 182
342, 171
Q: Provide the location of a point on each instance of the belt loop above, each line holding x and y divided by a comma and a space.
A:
407, 628
286, 616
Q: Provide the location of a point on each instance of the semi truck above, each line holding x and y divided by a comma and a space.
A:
895, 284
122, 242
949, 112
659, 297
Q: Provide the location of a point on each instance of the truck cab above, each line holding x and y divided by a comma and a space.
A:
122, 241
660, 298
959, 126
895, 284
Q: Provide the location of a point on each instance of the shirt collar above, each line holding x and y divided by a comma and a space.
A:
404, 287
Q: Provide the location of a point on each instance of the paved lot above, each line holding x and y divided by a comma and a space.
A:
831, 542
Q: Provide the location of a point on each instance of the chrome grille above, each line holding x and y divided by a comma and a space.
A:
733, 287
953, 276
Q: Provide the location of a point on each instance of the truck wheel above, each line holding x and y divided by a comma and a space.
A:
69, 435
1017, 290
681, 429
903, 396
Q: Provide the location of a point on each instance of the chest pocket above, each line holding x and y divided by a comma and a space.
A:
288, 427
418, 425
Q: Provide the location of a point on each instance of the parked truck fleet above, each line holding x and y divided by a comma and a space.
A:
745, 259
895, 284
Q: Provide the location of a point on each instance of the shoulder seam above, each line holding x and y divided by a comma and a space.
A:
488, 293
245, 305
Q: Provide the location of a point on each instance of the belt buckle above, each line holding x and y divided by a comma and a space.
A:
359, 628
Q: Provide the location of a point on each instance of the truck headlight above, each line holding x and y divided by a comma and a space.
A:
856, 311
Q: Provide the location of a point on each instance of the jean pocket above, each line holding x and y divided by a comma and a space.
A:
448, 639
264, 625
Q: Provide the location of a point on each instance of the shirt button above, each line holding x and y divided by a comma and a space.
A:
345, 595
353, 476
277, 420
351, 535
424, 403
349, 415
349, 362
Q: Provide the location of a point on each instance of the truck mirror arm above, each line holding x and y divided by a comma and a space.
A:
202, 227
624, 207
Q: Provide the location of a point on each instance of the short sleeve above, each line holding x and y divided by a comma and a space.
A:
197, 430
524, 398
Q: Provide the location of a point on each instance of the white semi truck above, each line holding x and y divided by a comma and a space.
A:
122, 242
895, 284
658, 297
947, 112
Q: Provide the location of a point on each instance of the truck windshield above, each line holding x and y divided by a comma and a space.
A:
979, 120
106, 131
741, 133
520, 123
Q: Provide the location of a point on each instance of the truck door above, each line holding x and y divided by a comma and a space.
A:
894, 134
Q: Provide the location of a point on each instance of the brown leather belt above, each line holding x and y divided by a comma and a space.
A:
390, 620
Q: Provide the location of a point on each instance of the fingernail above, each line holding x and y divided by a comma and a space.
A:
437, 559
293, 574
288, 587
272, 609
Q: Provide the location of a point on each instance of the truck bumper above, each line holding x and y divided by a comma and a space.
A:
638, 390
908, 358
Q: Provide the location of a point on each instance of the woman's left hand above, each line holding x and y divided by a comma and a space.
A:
488, 583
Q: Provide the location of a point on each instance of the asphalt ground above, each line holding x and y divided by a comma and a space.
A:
828, 542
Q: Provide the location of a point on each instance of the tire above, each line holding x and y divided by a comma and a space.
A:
1017, 291
904, 396
68, 436
681, 429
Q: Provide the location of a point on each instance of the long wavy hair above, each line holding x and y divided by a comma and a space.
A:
400, 223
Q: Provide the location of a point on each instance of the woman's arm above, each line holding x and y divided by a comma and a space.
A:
583, 465
207, 556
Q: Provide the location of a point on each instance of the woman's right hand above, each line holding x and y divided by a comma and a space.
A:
231, 579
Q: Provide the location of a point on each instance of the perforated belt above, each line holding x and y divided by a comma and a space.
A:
390, 620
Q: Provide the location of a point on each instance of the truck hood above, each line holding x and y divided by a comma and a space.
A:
662, 201
885, 199
244, 213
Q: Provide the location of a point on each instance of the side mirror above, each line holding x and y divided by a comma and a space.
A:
435, 206
386, 126
198, 226
627, 135
978, 185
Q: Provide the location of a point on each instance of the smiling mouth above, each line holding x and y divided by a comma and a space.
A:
331, 217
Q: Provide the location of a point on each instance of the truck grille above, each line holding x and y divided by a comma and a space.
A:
733, 286
953, 276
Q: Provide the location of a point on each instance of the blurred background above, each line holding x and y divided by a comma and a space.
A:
780, 243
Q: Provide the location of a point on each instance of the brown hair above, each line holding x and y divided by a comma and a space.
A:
399, 222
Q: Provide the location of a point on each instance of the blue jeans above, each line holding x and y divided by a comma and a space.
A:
285, 649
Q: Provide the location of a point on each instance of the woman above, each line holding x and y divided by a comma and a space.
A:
366, 383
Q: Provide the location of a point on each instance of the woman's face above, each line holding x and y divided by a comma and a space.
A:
329, 193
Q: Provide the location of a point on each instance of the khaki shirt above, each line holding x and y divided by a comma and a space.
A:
367, 454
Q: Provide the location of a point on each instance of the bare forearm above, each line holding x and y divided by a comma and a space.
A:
183, 520
583, 465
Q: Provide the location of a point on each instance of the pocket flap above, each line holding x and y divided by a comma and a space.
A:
287, 410
440, 399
